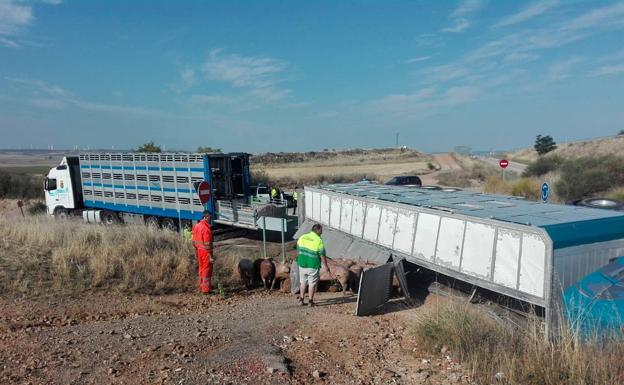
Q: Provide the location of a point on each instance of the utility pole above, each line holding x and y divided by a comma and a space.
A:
397, 140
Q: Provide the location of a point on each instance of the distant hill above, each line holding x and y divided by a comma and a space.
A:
343, 157
594, 147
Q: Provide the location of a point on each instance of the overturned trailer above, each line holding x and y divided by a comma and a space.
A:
526, 250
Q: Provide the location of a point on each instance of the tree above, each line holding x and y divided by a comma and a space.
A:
621, 133
544, 144
149, 147
205, 149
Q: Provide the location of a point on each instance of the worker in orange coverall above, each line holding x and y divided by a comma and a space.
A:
202, 241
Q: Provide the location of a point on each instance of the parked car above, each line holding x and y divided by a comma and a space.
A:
599, 203
405, 180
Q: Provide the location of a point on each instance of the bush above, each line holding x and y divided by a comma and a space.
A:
19, 186
543, 165
37, 208
527, 188
584, 177
457, 178
496, 185
486, 347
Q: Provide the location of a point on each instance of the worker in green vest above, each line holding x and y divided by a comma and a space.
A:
310, 255
274, 194
295, 199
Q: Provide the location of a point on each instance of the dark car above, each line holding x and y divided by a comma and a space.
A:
405, 180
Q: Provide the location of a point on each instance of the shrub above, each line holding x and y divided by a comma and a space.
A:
19, 186
584, 177
523, 356
456, 178
527, 188
543, 165
37, 208
496, 185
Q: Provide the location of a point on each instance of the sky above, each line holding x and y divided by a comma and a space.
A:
266, 75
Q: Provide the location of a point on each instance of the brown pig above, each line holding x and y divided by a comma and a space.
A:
267, 273
282, 272
338, 272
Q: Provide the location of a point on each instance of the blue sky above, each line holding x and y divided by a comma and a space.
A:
306, 75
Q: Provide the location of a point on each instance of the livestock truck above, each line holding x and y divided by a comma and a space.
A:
160, 190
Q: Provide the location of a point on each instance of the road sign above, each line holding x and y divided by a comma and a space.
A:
203, 190
545, 192
503, 163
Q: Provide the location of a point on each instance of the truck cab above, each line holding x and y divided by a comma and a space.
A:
62, 188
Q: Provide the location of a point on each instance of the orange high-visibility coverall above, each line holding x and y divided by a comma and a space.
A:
202, 241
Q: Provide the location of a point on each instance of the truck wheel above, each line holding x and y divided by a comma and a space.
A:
152, 223
169, 224
61, 213
109, 218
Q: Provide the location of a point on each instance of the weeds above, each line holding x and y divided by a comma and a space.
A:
487, 348
39, 254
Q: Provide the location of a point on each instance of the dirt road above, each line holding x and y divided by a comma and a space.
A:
446, 162
251, 338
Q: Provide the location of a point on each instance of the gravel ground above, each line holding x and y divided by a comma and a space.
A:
250, 338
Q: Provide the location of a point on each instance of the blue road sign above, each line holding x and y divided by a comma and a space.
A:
545, 192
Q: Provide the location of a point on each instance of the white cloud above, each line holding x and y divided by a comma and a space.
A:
425, 102
257, 76
418, 59
42, 94
554, 35
188, 76
445, 72
460, 25
528, 13
562, 69
242, 71
608, 70
14, 18
460, 16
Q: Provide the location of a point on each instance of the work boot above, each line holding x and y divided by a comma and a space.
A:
301, 302
311, 303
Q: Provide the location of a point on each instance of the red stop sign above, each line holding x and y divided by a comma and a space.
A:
203, 190
503, 163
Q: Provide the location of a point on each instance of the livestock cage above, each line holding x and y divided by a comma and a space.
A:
526, 250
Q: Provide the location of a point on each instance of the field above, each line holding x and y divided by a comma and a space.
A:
291, 169
586, 148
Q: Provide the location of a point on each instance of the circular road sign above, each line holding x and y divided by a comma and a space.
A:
203, 190
503, 163
545, 192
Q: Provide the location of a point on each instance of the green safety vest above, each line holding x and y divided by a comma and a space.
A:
296, 195
310, 249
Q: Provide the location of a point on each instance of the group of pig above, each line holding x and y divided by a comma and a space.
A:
268, 273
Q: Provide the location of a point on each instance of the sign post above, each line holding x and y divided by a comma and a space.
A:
503, 165
545, 192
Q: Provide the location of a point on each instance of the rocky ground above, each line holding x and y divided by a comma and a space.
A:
250, 338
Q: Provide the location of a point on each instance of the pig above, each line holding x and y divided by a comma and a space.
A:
267, 273
338, 272
282, 272
246, 272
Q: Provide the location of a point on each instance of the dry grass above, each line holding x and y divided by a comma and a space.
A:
292, 169
38, 254
472, 173
487, 348
616, 193
529, 188
589, 148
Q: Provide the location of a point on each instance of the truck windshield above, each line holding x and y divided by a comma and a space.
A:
263, 190
49, 184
